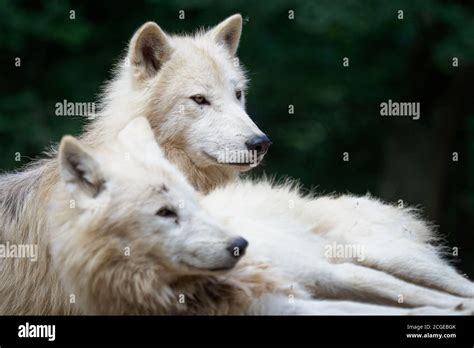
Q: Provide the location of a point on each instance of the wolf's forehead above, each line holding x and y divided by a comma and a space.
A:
205, 60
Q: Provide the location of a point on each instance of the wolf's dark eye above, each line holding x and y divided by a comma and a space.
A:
238, 94
200, 99
166, 212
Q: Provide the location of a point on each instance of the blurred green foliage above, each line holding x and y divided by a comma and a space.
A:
297, 62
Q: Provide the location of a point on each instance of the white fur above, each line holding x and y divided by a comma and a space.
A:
293, 232
118, 190
156, 80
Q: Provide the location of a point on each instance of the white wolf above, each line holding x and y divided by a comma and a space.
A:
192, 91
123, 233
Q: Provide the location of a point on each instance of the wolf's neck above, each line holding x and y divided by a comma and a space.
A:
120, 104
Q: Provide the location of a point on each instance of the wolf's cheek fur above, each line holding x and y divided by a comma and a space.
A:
206, 146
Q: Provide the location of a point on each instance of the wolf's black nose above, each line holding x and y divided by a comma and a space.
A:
237, 247
259, 143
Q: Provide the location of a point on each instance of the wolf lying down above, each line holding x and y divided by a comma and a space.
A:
129, 235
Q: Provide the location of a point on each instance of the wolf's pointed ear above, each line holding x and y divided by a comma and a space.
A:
138, 139
227, 33
79, 170
149, 49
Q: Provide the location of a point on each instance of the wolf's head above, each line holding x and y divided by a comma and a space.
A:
193, 88
125, 207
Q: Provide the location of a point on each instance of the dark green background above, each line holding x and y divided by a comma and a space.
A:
296, 62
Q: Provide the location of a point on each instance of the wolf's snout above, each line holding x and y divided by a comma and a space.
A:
259, 143
237, 247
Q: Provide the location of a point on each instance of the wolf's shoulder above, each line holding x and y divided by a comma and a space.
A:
18, 188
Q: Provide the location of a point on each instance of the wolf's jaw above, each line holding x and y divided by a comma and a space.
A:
202, 179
